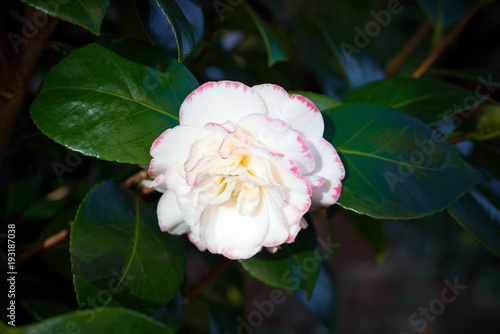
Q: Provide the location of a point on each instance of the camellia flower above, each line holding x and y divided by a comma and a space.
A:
243, 167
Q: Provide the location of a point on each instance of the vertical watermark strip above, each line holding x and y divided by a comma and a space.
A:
11, 274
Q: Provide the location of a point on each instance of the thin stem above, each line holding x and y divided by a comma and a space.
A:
207, 279
458, 139
136, 178
414, 41
448, 39
47, 244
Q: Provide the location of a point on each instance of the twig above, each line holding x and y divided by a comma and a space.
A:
414, 41
47, 244
136, 178
206, 280
448, 39
458, 139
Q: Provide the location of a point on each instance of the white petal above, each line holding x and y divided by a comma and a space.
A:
278, 230
196, 240
296, 110
225, 231
280, 138
328, 166
158, 183
297, 198
170, 217
172, 147
217, 102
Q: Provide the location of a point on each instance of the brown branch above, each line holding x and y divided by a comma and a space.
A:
136, 178
19, 71
207, 279
47, 244
5, 66
458, 139
414, 41
448, 39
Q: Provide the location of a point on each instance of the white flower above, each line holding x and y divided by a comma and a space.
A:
243, 167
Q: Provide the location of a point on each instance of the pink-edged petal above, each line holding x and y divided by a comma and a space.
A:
225, 231
172, 147
296, 110
328, 166
196, 240
170, 217
217, 102
158, 183
278, 230
297, 198
280, 138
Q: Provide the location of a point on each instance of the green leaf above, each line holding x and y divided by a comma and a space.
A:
324, 301
322, 102
358, 67
396, 166
119, 255
294, 266
112, 320
174, 25
486, 123
276, 47
427, 99
372, 231
112, 99
478, 212
88, 14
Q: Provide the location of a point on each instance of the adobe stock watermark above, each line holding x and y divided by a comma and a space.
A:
71, 161
265, 308
420, 320
32, 25
372, 29
222, 6
427, 147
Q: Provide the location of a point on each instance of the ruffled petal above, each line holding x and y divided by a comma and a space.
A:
297, 199
280, 138
296, 110
172, 147
328, 167
217, 102
170, 217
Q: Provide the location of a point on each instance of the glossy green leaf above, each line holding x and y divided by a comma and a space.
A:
294, 266
324, 301
429, 100
88, 14
487, 77
486, 123
478, 212
358, 67
112, 99
372, 231
173, 24
119, 255
396, 166
322, 102
276, 47
110, 320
